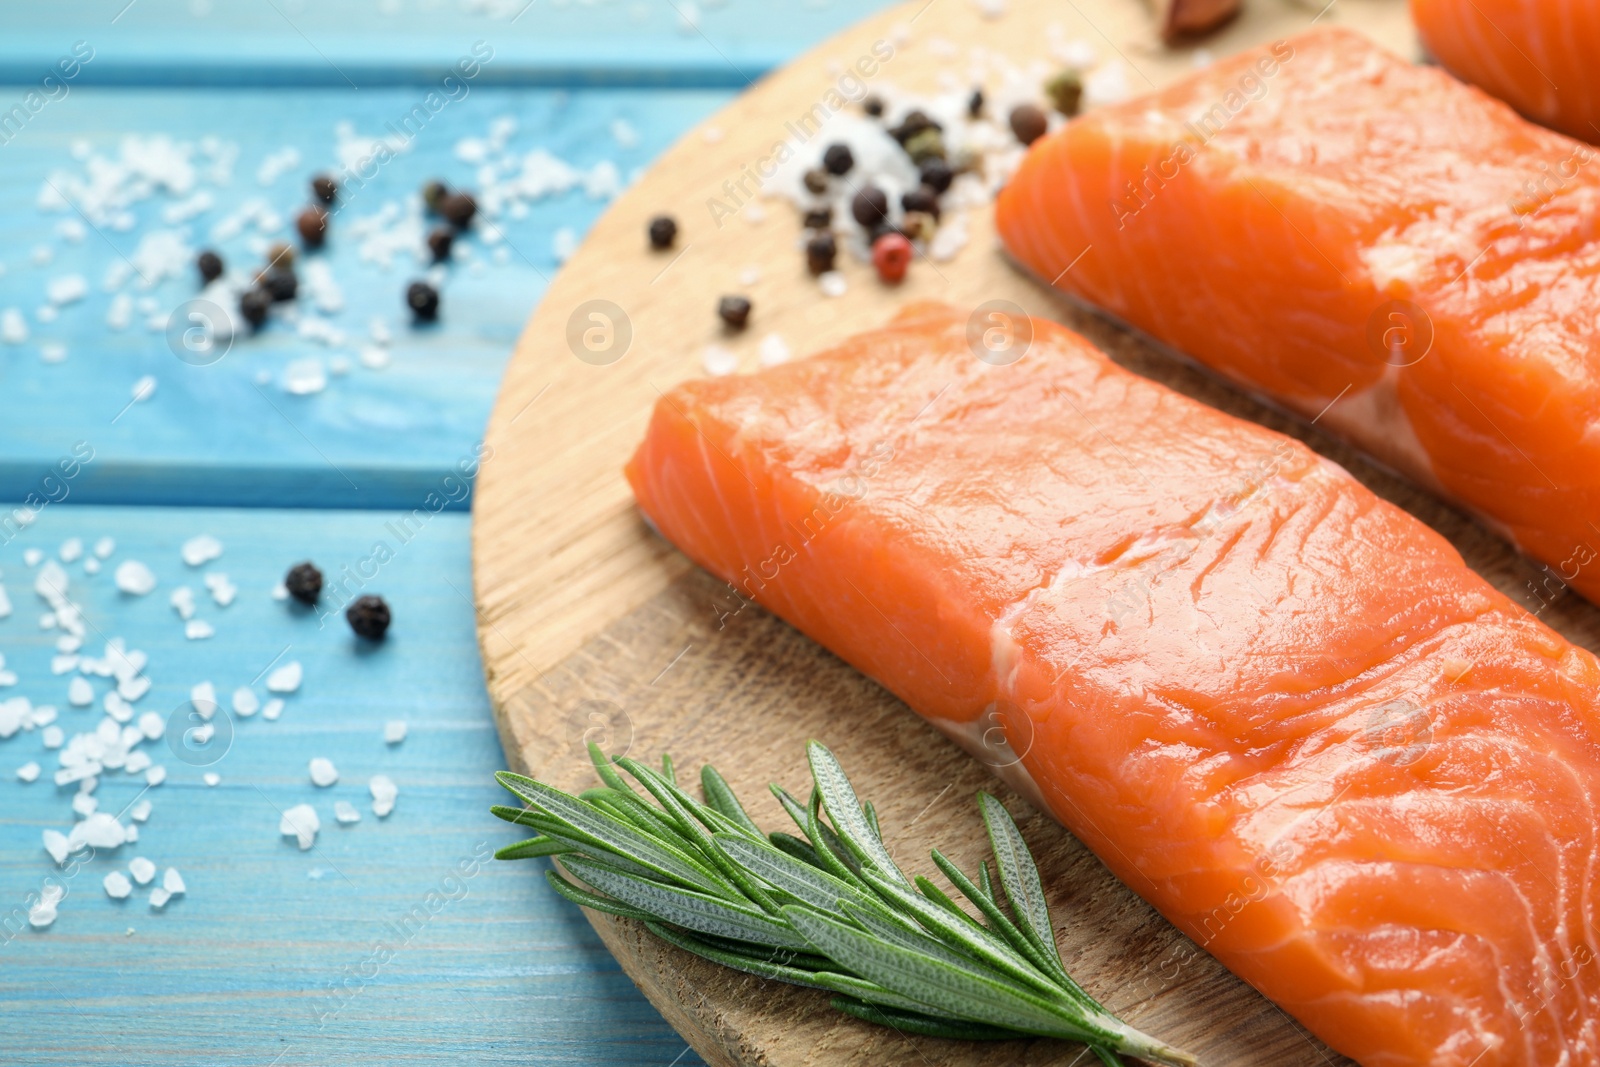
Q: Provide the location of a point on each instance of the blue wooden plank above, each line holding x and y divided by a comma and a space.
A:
228, 433
248, 966
368, 44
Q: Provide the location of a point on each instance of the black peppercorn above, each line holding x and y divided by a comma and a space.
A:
870, 206
663, 231
440, 241
324, 188
820, 253
937, 175
254, 305
838, 159
210, 266
873, 105
423, 300
280, 282
816, 181
458, 209
914, 123
735, 311
975, 104
313, 226
280, 257
921, 199
1028, 123
433, 193
368, 617
819, 218
304, 582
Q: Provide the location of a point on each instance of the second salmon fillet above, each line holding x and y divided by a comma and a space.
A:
1282, 710
1363, 240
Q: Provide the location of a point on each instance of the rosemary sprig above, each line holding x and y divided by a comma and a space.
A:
830, 910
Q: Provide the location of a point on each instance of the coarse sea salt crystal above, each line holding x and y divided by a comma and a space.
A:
211, 778
152, 725
137, 762
245, 701
394, 731
99, 830
384, 792
104, 547
67, 289
80, 694
159, 897
172, 882
13, 327
346, 812
719, 361
84, 804
286, 679
223, 591
56, 844
42, 914
91, 566
70, 549
28, 772
143, 389
272, 709
52, 737
301, 823
374, 358
117, 885
303, 377
155, 775
198, 630
32, 556
5, 603
140, 812
63, 664
141, 869
773, 350
182, 601
133, 688
200, 550
134, 578
323, 772
203, 694
832, 283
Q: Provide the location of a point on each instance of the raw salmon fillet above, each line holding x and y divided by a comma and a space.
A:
1365, 242
1537, 55
1281, 709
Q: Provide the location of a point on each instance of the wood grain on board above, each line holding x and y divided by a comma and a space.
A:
590, 625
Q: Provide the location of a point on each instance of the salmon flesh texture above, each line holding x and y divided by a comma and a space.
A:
1368, 243
1536, 55
1279, 708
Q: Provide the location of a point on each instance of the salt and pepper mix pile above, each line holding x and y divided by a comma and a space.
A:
124, 741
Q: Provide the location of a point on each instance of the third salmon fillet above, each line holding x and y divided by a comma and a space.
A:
1368, 243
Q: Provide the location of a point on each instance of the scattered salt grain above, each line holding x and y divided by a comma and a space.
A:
394, 731
346, 812
144, 388
222, 590
286, 679
137, 762
32, 557
56, 844
245, 702
91, 566
773, 350
374, 358
749, 276
323, 772
120, 314
200, 550
155, 776
211, 778
104, 547
159, 898
13, 327
63, 664
52, 737
42, 914
182, 601
280, 592
28, 772
140, 813
272, 709
301, 823
98, 830
563, 244
47, 313
384, 793
198, 630
712, 134
152, 725
833, 283
134, 578
67, 289
84, 804
172, 882
80, 694
133, 688
305, 376
719, 361
142, 870
117, 885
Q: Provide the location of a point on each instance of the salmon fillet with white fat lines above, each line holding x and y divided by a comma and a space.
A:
1362, 239
1279, 708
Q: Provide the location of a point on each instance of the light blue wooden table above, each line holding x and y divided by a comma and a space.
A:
391, 940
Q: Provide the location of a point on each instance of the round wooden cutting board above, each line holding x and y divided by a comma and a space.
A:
593, 628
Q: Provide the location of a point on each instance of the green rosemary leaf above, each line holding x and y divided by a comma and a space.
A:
835, 857
612, 834
872, 819
999, 922
579, 895
899, 932
554, 828
626, 805
667, 770
685, 907
794, 809
966, 992
608, 774
926, 1025
1020, 877
515, 816
798, 848
984, 882
739, 961
694, 830
844, 811
532, 848
720, 796
967, 936
799, 879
